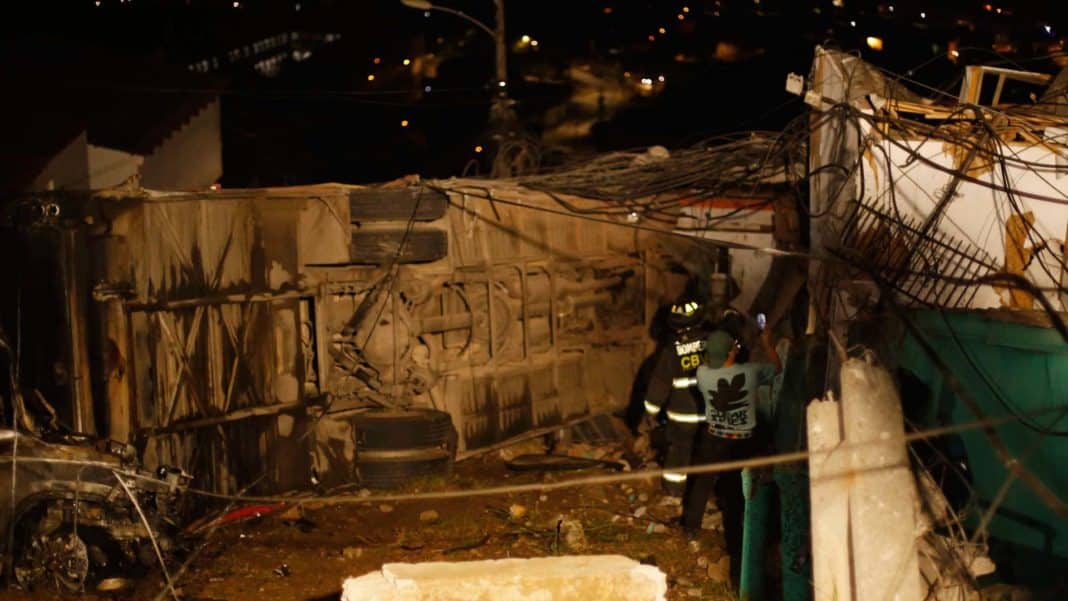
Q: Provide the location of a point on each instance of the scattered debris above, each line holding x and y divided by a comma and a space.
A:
639, 512
721, 570
429, 516
385, 508
292, 514
474, 544
517, 511
352, 552
572, 533
282, 571
114, 585
693, 592
712, 521
557, 463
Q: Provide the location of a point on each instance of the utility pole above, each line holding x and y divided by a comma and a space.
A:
502, 117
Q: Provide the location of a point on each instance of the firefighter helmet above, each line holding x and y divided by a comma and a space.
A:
686, 312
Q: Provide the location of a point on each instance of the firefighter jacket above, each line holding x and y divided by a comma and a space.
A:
679, 359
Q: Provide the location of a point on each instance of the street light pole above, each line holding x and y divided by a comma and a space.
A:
501, 112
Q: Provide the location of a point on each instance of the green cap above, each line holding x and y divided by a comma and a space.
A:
717, 347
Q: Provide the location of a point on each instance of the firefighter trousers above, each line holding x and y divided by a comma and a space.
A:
685, 416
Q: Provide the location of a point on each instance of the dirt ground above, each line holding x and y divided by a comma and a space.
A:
285, 556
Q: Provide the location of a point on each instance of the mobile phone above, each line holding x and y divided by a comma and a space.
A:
762, 321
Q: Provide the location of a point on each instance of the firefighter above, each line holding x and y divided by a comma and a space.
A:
729, 391
683, 409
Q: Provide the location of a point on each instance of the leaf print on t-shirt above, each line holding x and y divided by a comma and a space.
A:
729, 396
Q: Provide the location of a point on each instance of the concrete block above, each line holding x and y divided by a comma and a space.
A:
830, 480
568, 578
882, 502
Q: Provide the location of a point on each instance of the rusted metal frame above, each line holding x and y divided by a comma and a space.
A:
176, 243
197, 318
523, 308
183, 356
528, 435
229, 299
213, 378
81, 388
239, 351
490, 316
392, 300
218, 420
940, 257
956, 264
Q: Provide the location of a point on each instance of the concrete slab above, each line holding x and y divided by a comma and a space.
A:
568, 578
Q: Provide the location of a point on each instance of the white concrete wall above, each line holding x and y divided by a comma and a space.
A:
977, 214
69, 169
191, 158
108, 167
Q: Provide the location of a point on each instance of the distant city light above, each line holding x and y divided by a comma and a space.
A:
407, 62
1048, 28
838, 3
501, 84
404, 123
923, 15
478, 149
237, 4
525, 39
685, 9
988, 7
534, 43
891, 7
652, 38
680, 17
97, 2
874, 43
426, 14
297, 7
662, 31
852, 23
427, 89
377, 60
660, 79
607, 10
370, 77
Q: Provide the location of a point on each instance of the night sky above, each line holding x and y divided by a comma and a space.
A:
307, 109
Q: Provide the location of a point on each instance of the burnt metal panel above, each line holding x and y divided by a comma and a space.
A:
379, 247
396, 204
